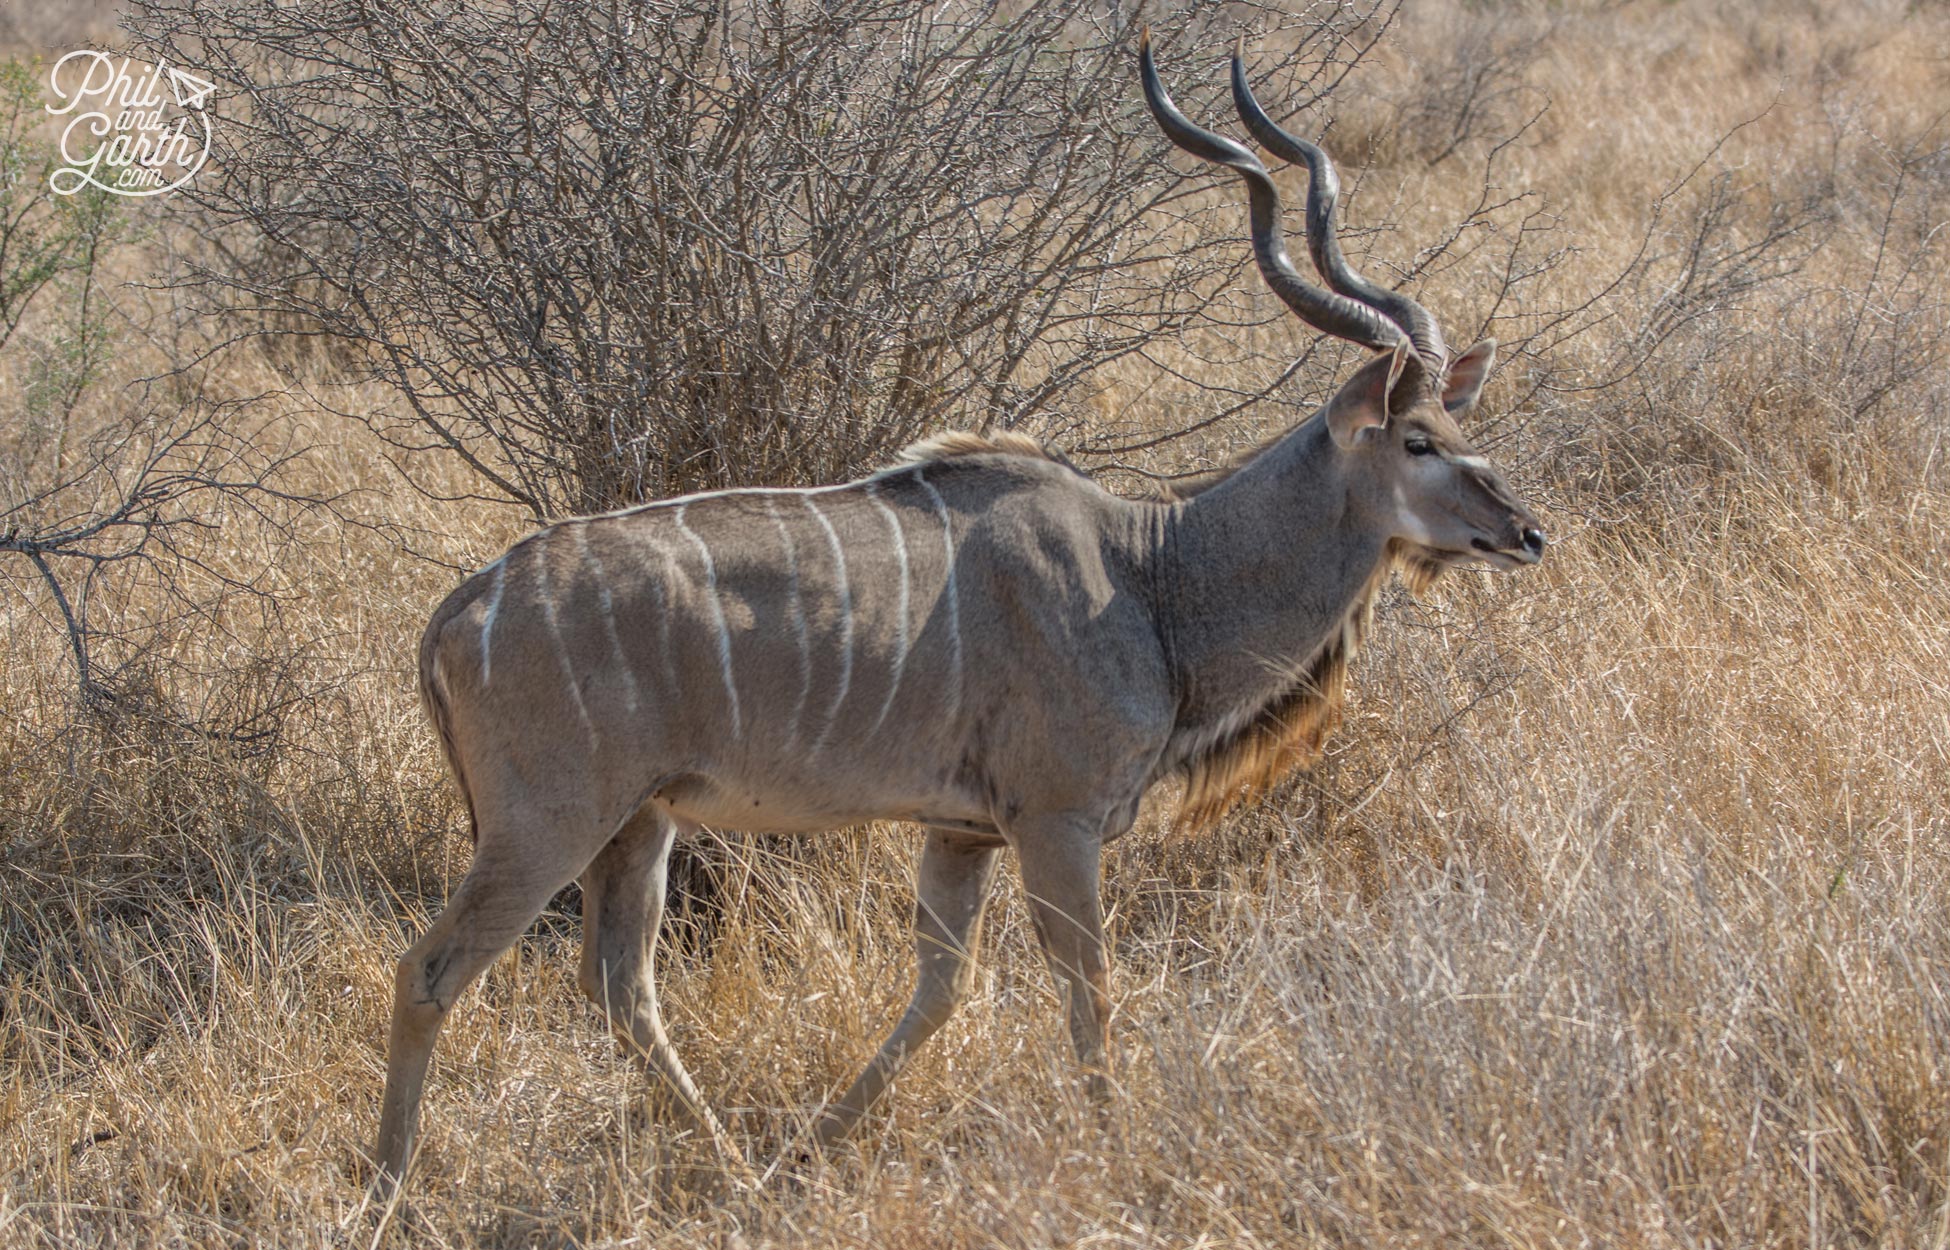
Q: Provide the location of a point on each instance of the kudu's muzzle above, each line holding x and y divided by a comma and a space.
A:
1515, 534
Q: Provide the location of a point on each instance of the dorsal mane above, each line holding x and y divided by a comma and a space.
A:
1290, 729
953, 443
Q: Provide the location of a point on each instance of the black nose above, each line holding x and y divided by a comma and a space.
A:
1533, 541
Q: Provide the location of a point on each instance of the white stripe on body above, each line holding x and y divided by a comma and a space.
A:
952, 593
660, 588
900, 636
609, 615
846, 621
487, 618
798, 613
551, 618
717, 618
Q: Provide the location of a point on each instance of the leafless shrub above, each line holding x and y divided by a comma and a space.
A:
124, 507
611, 252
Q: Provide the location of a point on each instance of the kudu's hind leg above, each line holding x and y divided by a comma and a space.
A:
517, 868
623, 904
952, 888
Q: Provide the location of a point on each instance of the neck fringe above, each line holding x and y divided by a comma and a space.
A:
1289, 732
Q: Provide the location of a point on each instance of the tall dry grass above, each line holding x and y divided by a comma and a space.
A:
1620, 914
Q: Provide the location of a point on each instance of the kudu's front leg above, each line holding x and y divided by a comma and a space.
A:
1061, 868
951, 889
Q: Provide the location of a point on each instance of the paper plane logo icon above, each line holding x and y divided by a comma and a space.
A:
190, 90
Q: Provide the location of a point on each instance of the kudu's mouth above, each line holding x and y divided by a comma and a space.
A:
1529, 549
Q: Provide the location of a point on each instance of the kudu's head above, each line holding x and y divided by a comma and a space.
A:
1394, 422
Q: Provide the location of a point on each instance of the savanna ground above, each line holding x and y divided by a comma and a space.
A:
1619, 913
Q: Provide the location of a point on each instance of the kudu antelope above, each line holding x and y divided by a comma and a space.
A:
978, 640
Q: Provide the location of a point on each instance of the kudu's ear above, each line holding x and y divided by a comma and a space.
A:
1464, 384
1362, 402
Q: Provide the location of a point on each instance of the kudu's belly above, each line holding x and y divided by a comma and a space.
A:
784, 800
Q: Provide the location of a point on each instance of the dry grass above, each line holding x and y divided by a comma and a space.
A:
1620, 914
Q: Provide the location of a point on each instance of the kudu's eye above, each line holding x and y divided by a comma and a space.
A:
1417, 445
